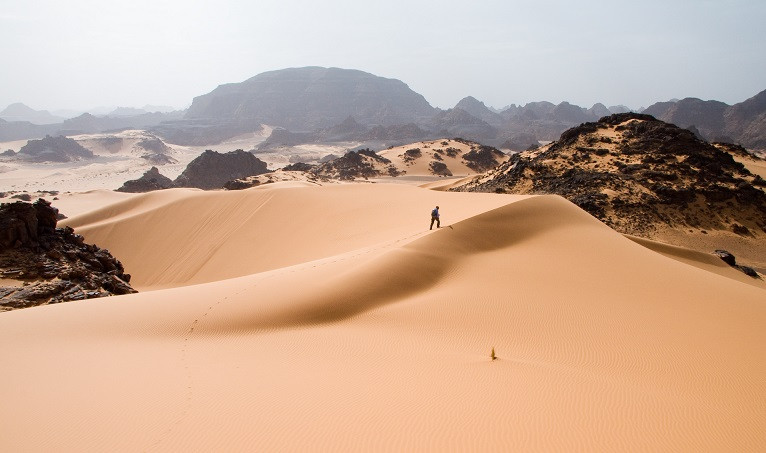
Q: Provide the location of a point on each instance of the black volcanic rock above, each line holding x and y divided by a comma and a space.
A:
54, 149
482, 158
211, 170
299, 166
637, 174
54, 264
313, 98
149, 181
364, 163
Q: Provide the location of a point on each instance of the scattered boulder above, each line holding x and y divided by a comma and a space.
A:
729, 259
149, 181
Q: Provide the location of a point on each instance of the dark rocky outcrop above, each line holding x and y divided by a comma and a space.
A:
49, 264
482, 158
299, 166
439, 168
54, 149
211, 170
149, 181
364, 163
729, 259
636, 174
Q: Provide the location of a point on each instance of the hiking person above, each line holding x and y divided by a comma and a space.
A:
435, 218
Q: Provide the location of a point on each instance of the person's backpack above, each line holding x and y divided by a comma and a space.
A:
434, 213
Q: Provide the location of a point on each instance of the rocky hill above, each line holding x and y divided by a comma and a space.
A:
211, 170
41, 264
447, 157
310, 98
639, 175
54, 149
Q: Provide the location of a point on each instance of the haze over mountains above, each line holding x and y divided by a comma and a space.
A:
324, 105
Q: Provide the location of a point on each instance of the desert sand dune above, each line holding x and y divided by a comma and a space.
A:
379, 338
191, 236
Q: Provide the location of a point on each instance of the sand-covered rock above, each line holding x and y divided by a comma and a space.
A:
637, 173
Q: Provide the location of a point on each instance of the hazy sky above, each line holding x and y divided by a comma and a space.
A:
86, 53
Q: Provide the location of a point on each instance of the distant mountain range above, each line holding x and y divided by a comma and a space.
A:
743, 123
20, 112
324, 105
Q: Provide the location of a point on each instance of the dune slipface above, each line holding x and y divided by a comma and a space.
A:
372, 333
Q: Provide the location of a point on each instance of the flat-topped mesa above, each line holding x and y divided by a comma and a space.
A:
41, 264
637, 174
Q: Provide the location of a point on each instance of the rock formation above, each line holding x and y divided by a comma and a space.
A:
637, 174
41, 264
149, 181
364, 163
211, 170
54, 149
